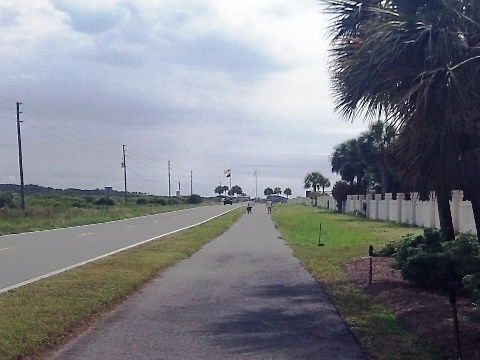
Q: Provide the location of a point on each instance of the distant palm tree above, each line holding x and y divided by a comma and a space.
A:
324, 183
277, 191
220, 189
346, 160
314, 180
287, 192
373, 146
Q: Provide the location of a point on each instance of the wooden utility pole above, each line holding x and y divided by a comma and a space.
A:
169, 178
20, 160
124, 165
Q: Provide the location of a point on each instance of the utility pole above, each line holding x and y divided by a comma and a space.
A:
179, 188
124, 165
20, 160
191, 182
169, 178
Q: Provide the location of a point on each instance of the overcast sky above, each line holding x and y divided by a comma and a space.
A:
206, 84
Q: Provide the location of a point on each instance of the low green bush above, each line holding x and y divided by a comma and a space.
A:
158, 201
431, 262
194, 199
7, 200
105, 201
472, 284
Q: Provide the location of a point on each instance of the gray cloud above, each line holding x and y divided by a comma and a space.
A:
214, 52
206, 85
8, 17
87, 20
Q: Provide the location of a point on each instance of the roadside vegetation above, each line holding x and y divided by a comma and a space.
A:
42, 315
406, 67
346, 238
50, 211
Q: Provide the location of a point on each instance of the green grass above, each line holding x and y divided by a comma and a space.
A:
36, 218
38, 316
345, 238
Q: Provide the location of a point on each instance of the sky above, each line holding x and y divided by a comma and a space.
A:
189, 88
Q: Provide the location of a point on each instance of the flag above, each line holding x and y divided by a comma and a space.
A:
228, 172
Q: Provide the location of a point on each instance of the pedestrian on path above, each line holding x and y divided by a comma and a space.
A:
249, 207
269, 206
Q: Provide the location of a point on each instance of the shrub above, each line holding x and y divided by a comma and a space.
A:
430, 242
105, 201
389, 249
194, 199
141, 201
431, 262
6, 200
173, 201
472, 283
158, 201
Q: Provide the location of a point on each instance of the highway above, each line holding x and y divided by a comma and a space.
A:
28, 257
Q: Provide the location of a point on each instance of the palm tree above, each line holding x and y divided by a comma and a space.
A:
221, 189
313, 180
418, 62
287, 192
373, 146
277, 191
235, 190
324, 183
346, 161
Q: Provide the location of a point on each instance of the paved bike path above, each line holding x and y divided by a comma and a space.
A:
242, 296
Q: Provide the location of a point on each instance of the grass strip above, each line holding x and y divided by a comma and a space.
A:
35, 318
42, 218
345, 238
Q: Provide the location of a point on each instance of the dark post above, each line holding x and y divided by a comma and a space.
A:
169, 179
453, 302
124, 165
370, 273
20, 161
320, 235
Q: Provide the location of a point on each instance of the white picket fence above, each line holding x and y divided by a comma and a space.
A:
413, 212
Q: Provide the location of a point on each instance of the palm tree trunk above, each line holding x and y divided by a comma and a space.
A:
472, 170
384, 176
444, 213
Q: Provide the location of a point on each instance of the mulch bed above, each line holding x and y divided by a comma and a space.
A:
425, 313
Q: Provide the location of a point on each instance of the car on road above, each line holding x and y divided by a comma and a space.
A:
228, 200
276, 199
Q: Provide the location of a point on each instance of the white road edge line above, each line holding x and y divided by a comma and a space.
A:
101, 223
15, 286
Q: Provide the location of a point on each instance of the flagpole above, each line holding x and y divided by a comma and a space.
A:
256, 185
228, 172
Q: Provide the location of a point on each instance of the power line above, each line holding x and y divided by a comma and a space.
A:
102, 141
69, 141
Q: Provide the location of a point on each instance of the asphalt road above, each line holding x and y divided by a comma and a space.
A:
242, 296
30, 256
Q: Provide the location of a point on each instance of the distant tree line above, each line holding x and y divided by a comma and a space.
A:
49, 197
31, 189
